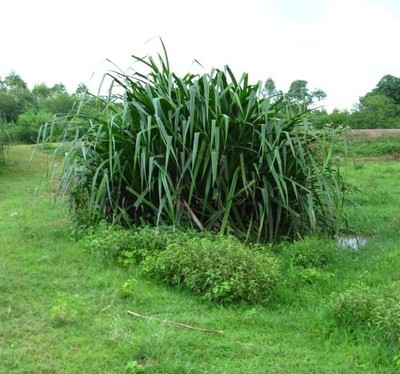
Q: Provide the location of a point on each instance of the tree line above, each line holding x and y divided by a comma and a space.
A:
378, 108
24, 110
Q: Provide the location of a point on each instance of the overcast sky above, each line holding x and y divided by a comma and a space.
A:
343, 47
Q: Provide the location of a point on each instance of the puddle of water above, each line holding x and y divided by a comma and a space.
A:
354, 242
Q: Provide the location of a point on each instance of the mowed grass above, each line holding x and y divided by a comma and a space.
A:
61, 310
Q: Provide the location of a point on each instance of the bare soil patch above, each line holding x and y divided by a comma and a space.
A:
373, 133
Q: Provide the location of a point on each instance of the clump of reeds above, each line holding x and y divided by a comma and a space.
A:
207, 151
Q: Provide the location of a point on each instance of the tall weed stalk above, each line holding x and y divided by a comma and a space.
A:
4, 138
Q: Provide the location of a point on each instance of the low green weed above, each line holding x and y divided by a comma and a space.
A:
295, 336
388, 320
126, 247
314, 276
356, 307
128, 288
219, 268
151, 347
363, 307
311, 252
65, 308
369, 146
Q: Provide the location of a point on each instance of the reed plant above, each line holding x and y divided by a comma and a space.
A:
207, 151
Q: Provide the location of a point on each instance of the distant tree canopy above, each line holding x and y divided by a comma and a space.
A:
388, 86
15, 97
300, 95
378, 108
24, 110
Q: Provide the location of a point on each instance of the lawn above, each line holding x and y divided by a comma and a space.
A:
64, 311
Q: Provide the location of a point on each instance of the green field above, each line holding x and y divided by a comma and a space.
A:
64, 311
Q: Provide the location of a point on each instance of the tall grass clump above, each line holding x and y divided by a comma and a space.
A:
207, 151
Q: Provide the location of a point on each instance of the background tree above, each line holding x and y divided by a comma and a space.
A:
388, 86
375, 111
41, 92
379, 108
15, 97
270, 88
81, 90
24, 111
59, 103
300, 95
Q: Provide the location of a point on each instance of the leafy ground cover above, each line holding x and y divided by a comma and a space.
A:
64, 310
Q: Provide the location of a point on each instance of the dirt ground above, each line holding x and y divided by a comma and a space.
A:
374, 133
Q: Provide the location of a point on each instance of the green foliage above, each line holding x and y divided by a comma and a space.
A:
65, 308
388, 86
209, 152
388, 318
337, 119
61, 103
218, 268
300, 95
356, 307
366, 146
312, 276
376, 310
128, 288
306, 264
15, 97
150, 348
26, 129
375, 112
4, 138
9, 108
311, 252
126, 247
293, 335
25, 111
379, 108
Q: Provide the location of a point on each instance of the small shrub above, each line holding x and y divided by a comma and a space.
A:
27, 127
374, 310
313, 276
128, 288
356, 307
311, 252
128, 247
65, 309
218, 268
388, 320
151, 347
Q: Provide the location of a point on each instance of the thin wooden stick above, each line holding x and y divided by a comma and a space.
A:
178, 325
108, 306
191, 213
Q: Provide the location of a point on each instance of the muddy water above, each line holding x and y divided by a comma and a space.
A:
351, 241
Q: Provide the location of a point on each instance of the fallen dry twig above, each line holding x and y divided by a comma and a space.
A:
178, 325
108, 306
